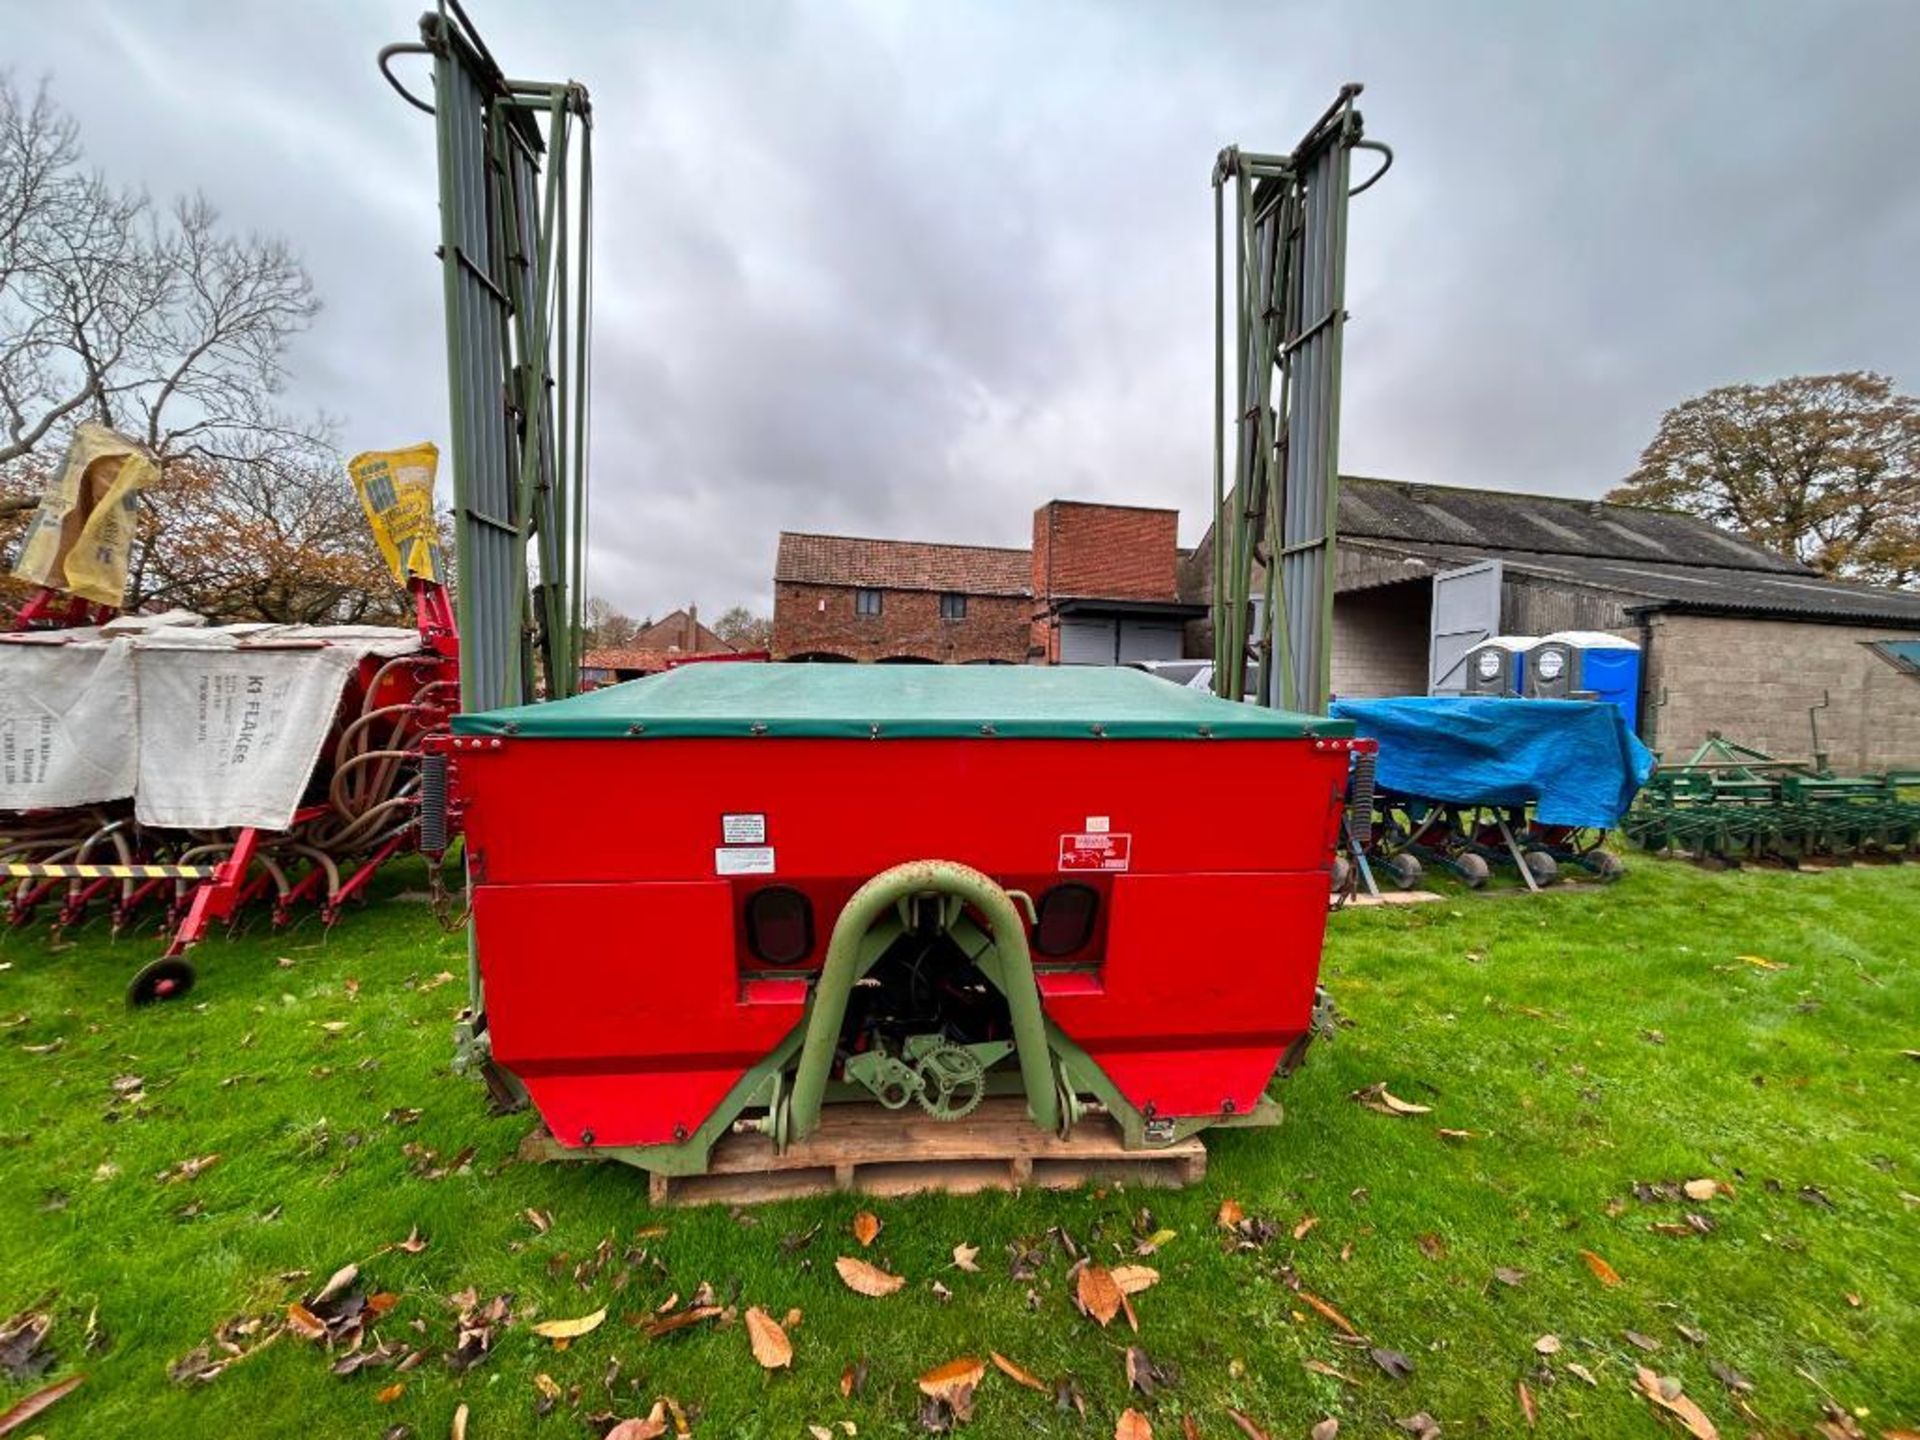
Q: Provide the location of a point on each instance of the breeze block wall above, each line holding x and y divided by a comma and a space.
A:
1753, 681
821, 620
1380, 641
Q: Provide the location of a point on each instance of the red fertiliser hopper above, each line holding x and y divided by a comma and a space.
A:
729, 898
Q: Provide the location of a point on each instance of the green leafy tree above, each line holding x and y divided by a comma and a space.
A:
1824, 469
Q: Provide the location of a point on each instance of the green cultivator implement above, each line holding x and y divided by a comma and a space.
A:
1732, 803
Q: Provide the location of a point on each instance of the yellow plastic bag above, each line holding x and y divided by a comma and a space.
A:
82, 535
396, 491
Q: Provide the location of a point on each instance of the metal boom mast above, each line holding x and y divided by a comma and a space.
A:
516, 204
1275, 526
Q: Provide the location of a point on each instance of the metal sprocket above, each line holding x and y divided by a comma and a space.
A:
952, 1082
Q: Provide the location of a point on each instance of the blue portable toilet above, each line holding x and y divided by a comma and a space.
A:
1586, 665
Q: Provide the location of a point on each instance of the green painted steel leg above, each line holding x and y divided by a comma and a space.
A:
844, 966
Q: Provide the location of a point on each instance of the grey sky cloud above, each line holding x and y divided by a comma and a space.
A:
914, 270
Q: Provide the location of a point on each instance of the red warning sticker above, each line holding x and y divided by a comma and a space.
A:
1095, 851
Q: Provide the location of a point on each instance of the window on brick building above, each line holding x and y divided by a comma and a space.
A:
953, 606
866, 602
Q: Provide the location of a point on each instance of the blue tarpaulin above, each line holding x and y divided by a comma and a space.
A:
1574, 761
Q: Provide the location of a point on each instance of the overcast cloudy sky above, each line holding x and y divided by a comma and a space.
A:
913, 270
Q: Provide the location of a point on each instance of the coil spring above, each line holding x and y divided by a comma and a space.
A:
433, 804
1360, 806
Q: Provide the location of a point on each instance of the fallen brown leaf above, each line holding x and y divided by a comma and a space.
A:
1246, 1426
1393, 1362
1315, 1302
1669, 1397
667, 1324
459, 1430
1325, 1429
1377, 1097
1602, 1271
186, 1169
1098, 1293
1147, 1375
337, 1284
770, 1344
36, 1404
1230, 1214
413, 1244
1707, 1189
571, 1329
1132, 1425
865, 1279
304, 1323
1017, 1373
943, 1382
1320, 1367
853, 1379
1132, 1279
966, 1257
391, 1393
651, 1428
1547, 1345
866, 1227
1307, 1222
1526, 1403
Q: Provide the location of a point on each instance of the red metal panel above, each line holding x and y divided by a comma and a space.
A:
1208, 979
572, 810
620, 1006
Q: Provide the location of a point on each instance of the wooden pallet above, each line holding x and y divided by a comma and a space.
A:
864, 1149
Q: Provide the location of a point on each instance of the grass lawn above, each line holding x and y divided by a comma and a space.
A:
1586, 1041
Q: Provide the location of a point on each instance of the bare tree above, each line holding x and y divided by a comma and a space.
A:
171, 329
1824, 469
607, 628
744, 630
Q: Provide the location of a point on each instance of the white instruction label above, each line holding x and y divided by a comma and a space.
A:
743, 860
743, 829
1098, 824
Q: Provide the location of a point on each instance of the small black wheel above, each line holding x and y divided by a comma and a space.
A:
164, 979
1606, 865
1404, 870
1542, 866
1342, 875
1472, 869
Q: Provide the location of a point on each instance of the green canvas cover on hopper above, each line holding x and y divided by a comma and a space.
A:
745, 699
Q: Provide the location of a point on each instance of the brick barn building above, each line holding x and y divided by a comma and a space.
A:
1100, 586
654, 647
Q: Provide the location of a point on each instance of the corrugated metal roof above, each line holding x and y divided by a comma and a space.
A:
1543, 524
902, 565
1698, 589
